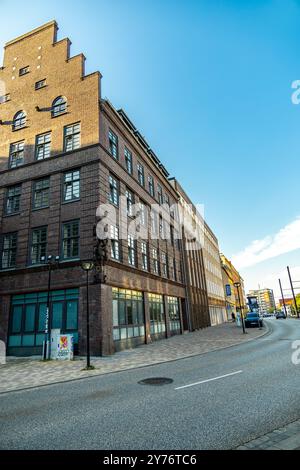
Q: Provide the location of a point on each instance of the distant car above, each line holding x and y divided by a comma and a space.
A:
253, 320
280, 315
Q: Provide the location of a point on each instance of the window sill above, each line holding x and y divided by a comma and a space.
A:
59, 115
34, 209
73, 200
11, 215
20, 128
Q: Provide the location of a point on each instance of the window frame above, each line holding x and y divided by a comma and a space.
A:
67, 137
9, 250
16, 153
39, 244
116, 190
41, 190
70, 258
62, 107
113, 142
64, 185
7, 198
128, 161
42, 145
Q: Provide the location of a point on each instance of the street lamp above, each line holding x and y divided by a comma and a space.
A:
238, 285
87, 266
51, 261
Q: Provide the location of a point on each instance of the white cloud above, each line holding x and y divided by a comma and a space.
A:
284, 241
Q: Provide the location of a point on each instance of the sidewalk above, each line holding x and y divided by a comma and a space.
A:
23, 373
286, 438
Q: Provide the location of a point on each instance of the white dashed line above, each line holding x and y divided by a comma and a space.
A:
209, 380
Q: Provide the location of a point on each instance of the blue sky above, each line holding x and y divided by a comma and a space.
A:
209, 85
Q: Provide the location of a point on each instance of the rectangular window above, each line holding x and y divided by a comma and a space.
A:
38, 244
156, 314
113, 145
172, 235
155, 261
16, 154
12, 200
128, 314
24, 71
9, 250
174, 315
72, 137
145, 262
161, 227
43, 146
175, 272
28, 316
128, 160
131, 250
151, 185
40, 193
164, 265
40, 84
129, 202
143, 213
159, 194
141, 174
70, 240
113, 190
71, 186
167, 199
115, 244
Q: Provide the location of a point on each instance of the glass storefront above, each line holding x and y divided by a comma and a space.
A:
28, 314
174, 315
157, 314
128, 314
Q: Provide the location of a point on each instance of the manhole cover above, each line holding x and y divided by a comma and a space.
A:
156, 381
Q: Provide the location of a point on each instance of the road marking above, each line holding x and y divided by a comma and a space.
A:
209, 380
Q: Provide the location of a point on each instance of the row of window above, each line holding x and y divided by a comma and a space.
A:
43, 145
161, 265
41, 192
158, 224
129, 318
59, 106
38, 245
114, 151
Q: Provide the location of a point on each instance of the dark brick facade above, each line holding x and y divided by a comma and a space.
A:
50, 60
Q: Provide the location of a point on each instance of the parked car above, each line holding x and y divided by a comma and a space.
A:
253, 320
280, 315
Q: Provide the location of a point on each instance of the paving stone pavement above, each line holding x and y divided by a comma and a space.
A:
286, 438
20, 373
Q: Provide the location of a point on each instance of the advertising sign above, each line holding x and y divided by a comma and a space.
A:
62, 347
228, 290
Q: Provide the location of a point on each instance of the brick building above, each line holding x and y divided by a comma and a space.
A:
63, 152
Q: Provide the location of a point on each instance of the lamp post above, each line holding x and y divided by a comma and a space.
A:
50, 260
284, 306
293, 292
238, 285
87, 266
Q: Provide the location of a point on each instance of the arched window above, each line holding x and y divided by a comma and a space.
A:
19, 120
59, 106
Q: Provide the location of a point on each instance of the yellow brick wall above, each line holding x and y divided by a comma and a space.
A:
64, 76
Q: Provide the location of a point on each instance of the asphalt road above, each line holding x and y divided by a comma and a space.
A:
115, 412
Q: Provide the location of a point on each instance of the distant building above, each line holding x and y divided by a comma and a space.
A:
231, 276
266, 300
289, 305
